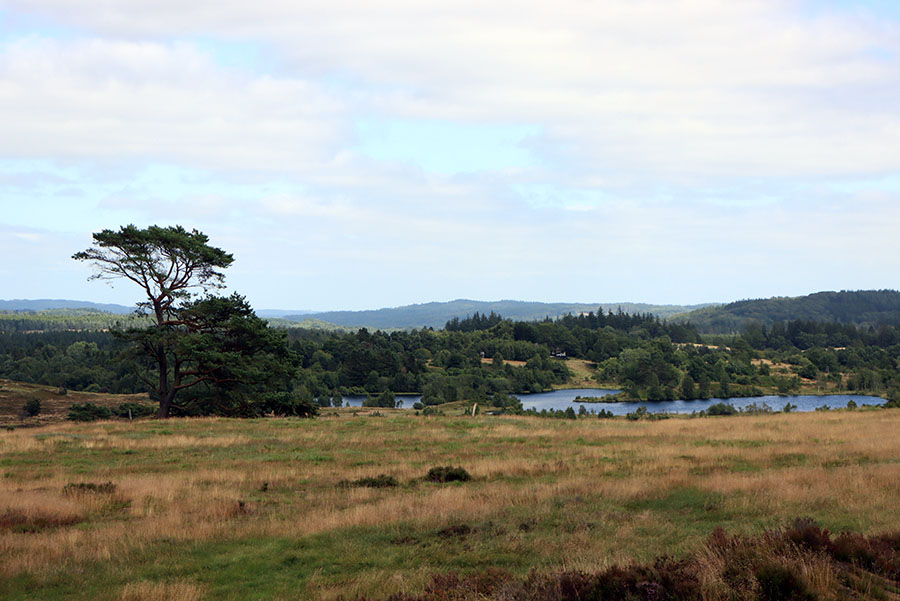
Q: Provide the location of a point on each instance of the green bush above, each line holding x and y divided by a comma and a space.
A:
88, 412
379, 481
134, 410
721, 409
448, 474
32, 408
286, 404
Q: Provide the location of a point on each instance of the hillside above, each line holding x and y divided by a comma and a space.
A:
64, 320
437, 314
55, 402
43, 304
863, 307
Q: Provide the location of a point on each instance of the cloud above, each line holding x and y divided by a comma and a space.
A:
101, 100
690, 149
681, 91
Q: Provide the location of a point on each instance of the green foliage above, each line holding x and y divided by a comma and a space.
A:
134, 410
32, 408
88, 412
379, 481
448, 474
475, 322
285, 404
830, 310
386, 399
721, 409
215, 346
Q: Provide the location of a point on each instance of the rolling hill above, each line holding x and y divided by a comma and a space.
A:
437, 314
44, 304
862, 307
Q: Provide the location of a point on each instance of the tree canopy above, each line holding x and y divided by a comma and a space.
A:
212, 344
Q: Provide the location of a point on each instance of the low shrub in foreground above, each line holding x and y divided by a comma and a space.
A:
448, 474
798, 563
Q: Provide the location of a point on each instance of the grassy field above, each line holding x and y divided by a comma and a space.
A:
54, 405
256, 509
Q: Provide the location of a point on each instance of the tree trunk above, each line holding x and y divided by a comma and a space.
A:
165, 395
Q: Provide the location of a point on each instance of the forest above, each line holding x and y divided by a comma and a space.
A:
197, 353
485, 359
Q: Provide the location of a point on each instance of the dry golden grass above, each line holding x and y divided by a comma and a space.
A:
579, 495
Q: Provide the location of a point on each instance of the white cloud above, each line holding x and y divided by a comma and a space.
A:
682, 137
110, 100
692, 88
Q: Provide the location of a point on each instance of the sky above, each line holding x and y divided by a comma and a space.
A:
357, 155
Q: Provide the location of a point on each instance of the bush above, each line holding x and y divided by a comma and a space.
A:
448, 474
81, 488
721, 409
379, 481
780, 583
32, 408
88, 412
134, 410
386, 400
286, 404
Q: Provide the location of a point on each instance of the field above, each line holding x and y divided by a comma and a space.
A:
256, 509
54, 405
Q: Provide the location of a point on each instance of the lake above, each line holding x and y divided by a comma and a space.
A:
561, 399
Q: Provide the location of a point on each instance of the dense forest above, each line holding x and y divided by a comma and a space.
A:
863, 307
486, 358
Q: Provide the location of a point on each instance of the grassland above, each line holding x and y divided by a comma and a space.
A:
55, 403
255, 509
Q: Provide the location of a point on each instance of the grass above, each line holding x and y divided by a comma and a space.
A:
254, 509
54, 405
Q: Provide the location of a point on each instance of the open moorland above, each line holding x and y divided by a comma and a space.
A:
214, 508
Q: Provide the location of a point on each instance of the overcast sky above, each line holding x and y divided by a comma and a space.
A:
359, 155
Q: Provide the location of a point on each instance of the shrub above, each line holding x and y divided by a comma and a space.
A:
379, 481
32, 408
721, 409
88, 412
780, 583
82, 488
805, 532
286, 404
386, 399
134, 410
448, 474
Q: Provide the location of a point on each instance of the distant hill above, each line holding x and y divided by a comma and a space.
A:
45, 303
277, 313
436, 314
863, 307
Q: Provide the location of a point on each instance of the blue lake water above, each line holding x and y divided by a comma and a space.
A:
561, 399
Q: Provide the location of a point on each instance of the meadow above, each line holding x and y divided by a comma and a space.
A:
191, 509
